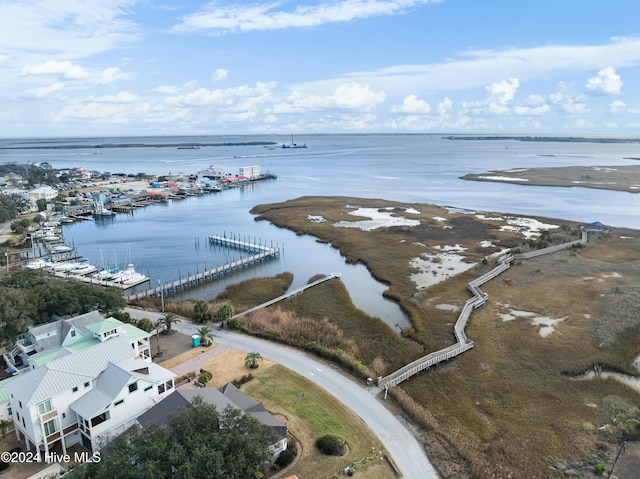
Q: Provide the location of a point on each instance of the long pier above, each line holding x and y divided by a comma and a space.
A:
479, 298
288, 295
260, 253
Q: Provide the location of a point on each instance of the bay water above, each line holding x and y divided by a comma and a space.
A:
167, 241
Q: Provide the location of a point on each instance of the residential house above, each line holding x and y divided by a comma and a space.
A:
85, 396
222, 398
44, 342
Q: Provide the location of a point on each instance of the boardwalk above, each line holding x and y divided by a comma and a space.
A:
479, 298
288, 295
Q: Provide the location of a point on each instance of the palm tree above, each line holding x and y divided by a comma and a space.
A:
158, 326
206, 335
200, 308
168, 320
145, 324
225, 313
251, 360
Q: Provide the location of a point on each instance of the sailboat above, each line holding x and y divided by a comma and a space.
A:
294, 145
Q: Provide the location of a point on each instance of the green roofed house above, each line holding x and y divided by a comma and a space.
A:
85, 397
62, 337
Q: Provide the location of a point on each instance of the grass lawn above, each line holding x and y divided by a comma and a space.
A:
312, 415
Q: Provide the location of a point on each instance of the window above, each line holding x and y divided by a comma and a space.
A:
73, 334
148, 387
18, 414
75, 389
50, 427
44, 407
160, 388
133, 387
169, 385
20, 404
86, 385
117, 403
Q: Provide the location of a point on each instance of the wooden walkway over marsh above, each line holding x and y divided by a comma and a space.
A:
478, 299
259, 254
288, 295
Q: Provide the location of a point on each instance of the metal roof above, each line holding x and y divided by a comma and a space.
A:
64, 373
91, 404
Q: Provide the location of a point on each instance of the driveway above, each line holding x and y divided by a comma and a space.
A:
398, 441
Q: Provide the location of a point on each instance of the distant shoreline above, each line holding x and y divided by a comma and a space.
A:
563, 139
135, 145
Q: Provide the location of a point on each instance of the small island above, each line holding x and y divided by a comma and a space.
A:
617, 178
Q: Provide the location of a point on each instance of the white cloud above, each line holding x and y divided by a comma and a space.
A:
120, 97
617, 106
608, 82
230, 98
42, 92
67, 29
220, 74
478, 68
65, 69
110, 75
503, 91
351, 96
412, 104
269, 16
532, 110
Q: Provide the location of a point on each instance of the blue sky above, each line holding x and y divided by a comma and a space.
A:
154, 67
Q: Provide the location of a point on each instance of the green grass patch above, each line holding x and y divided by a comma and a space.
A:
310, 416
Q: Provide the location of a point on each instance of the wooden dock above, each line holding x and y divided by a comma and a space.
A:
260, 253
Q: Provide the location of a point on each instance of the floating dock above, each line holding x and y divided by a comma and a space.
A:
259, 254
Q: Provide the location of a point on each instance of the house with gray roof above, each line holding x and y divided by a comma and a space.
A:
85, 396
226, 396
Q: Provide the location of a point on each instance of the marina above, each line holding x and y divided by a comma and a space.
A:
259, 254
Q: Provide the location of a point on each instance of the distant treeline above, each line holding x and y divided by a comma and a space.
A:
134, 145
565, 139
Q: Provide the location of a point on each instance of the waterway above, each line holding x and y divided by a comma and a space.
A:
170, 240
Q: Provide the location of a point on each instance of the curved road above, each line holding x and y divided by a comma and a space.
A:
397, 440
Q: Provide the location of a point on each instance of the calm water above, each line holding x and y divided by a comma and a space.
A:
166, 241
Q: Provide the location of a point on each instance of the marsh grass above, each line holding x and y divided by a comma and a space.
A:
510, 406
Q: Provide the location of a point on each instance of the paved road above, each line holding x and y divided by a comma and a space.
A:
398, 441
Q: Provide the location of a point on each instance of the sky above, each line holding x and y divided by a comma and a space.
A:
93, 68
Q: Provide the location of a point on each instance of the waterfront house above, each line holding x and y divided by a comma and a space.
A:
85, 397
226, 396
45, 342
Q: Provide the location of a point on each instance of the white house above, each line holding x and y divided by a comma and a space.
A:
85, 397
43, 192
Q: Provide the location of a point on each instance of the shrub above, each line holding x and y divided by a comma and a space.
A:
598, 469
330, 445
286, 457
204, 377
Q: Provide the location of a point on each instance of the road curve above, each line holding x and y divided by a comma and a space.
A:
397, 440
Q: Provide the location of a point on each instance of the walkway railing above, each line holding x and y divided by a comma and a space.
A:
479, 298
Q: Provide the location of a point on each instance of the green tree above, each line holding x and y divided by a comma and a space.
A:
41, 203
4, 425
145, 324
206, 335
168, 320
251, 360
200, 308
197, 442
225, 313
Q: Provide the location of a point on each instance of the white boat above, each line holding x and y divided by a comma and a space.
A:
36, 264
61, 248
63, 267
82, 270
100, 210
107, 274
129, 277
